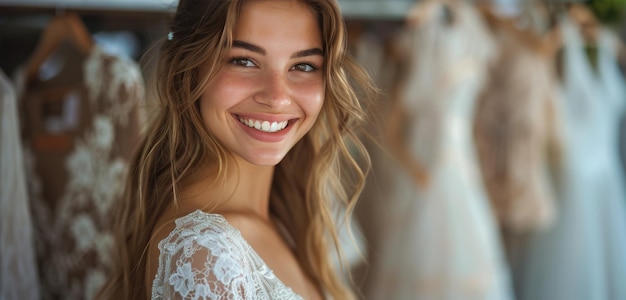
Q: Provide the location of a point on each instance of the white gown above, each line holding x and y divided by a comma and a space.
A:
583, 256
442, 241
18, 266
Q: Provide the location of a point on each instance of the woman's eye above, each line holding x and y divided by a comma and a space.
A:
242, 61
304, 68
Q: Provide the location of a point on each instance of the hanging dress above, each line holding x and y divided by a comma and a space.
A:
18, 268
81, 124
516, 131
518, 136
443, 242
583, 255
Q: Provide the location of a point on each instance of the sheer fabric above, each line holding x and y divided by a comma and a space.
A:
205, 257
18, 269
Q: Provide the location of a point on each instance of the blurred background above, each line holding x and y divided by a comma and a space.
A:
498, 145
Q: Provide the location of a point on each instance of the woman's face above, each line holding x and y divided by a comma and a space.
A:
270, 89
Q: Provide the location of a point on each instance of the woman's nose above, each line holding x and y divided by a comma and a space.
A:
275, 90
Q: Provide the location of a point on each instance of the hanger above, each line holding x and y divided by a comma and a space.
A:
64, 27
546, 41
586, 20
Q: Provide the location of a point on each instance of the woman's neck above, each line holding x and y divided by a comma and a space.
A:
245, 189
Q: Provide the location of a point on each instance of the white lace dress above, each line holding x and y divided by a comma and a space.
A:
205, 257
441, 241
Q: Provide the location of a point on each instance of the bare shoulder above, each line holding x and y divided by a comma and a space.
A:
261, 234
248, 225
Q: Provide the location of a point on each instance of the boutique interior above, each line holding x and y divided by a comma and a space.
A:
516, 191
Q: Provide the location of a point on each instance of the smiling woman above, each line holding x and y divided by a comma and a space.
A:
272, 75
230, 192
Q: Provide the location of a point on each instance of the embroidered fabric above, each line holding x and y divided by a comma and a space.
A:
205, 257
71, 190
515, 130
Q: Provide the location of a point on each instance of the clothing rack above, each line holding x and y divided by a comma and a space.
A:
147, 6
354, 9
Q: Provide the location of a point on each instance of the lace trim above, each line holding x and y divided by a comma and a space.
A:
205, 257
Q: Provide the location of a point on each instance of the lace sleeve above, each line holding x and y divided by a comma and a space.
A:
203, 261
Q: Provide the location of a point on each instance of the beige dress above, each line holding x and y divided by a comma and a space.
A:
516, 132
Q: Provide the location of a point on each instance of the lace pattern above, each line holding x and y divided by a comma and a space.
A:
73, 233
205, 257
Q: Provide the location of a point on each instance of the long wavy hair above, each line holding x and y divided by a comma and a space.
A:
326, 168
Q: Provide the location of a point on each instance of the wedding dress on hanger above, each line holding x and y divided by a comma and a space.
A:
517, 134
516, 127
442, 241
18, 267
80, 112
583, 256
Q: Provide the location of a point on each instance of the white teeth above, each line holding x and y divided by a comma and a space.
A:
265, 126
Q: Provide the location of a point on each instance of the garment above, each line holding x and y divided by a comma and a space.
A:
205, 257
441, 239
18, 268
80, 127
516, 131
583, 255
375, 217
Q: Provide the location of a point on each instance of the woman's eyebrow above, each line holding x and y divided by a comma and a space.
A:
260, 50
248, 46
308, 52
